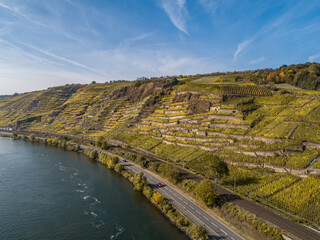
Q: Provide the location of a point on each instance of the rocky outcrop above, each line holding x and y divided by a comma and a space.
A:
138, 93
197, 103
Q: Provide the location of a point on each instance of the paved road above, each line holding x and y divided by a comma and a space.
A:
215, 228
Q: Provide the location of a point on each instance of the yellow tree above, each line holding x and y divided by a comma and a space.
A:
156, 198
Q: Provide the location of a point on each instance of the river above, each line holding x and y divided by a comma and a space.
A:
49, 193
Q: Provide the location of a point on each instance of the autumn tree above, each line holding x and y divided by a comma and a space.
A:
156, 198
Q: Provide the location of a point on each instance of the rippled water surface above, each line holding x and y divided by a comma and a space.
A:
48, 193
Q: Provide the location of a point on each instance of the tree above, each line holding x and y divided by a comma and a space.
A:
205, 192
172, 173
148, 191
139, 181
156, 198
112, 162
93, 154
142, 161
118, 168
210, 166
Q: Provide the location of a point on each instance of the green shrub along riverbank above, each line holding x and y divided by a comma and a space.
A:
203, 191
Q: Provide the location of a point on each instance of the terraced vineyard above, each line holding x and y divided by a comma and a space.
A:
270, 139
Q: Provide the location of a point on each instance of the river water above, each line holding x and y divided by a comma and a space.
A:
49, 193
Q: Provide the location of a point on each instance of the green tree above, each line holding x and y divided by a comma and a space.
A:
139, 181
170, 172
112, 162
148, 191
210, 166
142, 161
205, 192
93, 154
118, 168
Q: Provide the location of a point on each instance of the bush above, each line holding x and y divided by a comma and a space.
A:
198, 232
183, 221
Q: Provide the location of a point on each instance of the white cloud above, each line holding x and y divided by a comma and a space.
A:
241, 47
255, 61
177, 13
314, 57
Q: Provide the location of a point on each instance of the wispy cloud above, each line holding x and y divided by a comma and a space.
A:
129, 41
177, 13
314, 57
255, 61
241, 46
267, 29
64, 59
30, 55
19, 13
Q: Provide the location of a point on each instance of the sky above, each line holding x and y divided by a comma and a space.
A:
45, 43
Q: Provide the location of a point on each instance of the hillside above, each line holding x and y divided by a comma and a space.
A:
185, 120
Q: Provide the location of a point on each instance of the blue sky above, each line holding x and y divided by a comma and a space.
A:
47, 43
